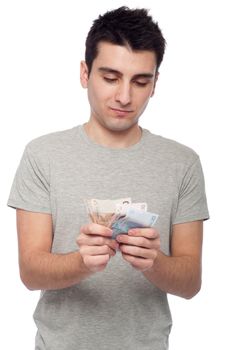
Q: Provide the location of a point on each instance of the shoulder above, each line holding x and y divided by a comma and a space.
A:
170, 150
52, 142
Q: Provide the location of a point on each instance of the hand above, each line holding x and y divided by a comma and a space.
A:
140, 247
96, 246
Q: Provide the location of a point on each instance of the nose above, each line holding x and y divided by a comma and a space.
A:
123, 94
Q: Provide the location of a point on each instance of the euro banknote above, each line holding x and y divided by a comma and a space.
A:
120, 214
134, 218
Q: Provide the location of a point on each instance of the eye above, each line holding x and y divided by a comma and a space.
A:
141, 84
110, 80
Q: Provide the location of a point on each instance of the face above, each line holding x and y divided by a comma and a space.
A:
119, 86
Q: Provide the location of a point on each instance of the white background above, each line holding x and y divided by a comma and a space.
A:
42, 43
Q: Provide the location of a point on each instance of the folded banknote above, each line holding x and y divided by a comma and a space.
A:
103, 211
134, 218
120, 214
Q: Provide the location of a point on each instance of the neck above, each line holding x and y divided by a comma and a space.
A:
112, 138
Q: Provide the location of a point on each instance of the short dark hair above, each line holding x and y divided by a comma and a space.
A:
124, 26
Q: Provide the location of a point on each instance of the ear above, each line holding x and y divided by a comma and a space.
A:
156, 78
84, 74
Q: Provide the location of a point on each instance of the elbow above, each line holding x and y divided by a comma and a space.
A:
27, 279
27, 282
28, 273
192, 292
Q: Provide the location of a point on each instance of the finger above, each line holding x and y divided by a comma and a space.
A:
138, 263
139, 241
96, 229
96, 250
84, 239
138, 251
96, 263
148, 232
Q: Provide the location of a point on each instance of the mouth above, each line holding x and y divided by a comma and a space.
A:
121, 112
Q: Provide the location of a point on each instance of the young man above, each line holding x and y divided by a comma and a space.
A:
99, 292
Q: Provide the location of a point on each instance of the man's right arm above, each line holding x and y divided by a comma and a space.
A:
41, 269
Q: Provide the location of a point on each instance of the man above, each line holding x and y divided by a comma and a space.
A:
99, 292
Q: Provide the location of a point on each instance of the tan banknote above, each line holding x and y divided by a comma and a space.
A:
103, 211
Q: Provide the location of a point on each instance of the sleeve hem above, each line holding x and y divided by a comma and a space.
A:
29, 207
190, 219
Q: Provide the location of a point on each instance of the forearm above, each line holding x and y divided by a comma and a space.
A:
44, 270
180, 276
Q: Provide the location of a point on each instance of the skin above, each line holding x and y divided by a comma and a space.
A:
119, 86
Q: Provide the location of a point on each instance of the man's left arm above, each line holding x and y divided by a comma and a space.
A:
179, 273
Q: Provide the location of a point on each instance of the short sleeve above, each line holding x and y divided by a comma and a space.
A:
31, 189
192, 202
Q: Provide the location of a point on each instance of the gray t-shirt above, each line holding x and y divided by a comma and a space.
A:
117, 308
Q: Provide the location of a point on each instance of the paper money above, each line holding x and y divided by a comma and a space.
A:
120, 214
134, 218
102, 211
121, 209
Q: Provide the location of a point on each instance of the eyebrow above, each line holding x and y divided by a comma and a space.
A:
116, 72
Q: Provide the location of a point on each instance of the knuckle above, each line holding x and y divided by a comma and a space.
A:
123, 248
149, 263
87, 228
100, 240
154, 255
84, 228
140, 241
156, 243
157, 235
137, 251
87, 261
82, 251
152, 233
79, 240
106, 248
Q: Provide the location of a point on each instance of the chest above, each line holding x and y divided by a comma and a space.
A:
143, 180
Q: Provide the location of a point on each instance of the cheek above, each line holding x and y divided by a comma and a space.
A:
99, 94
93, 96
142, 99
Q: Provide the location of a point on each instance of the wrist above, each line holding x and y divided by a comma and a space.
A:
155, 268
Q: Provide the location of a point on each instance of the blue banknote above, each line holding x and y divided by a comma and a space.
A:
134, 218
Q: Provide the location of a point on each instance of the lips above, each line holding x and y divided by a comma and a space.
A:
120, 112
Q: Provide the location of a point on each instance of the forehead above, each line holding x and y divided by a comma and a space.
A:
124, 59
